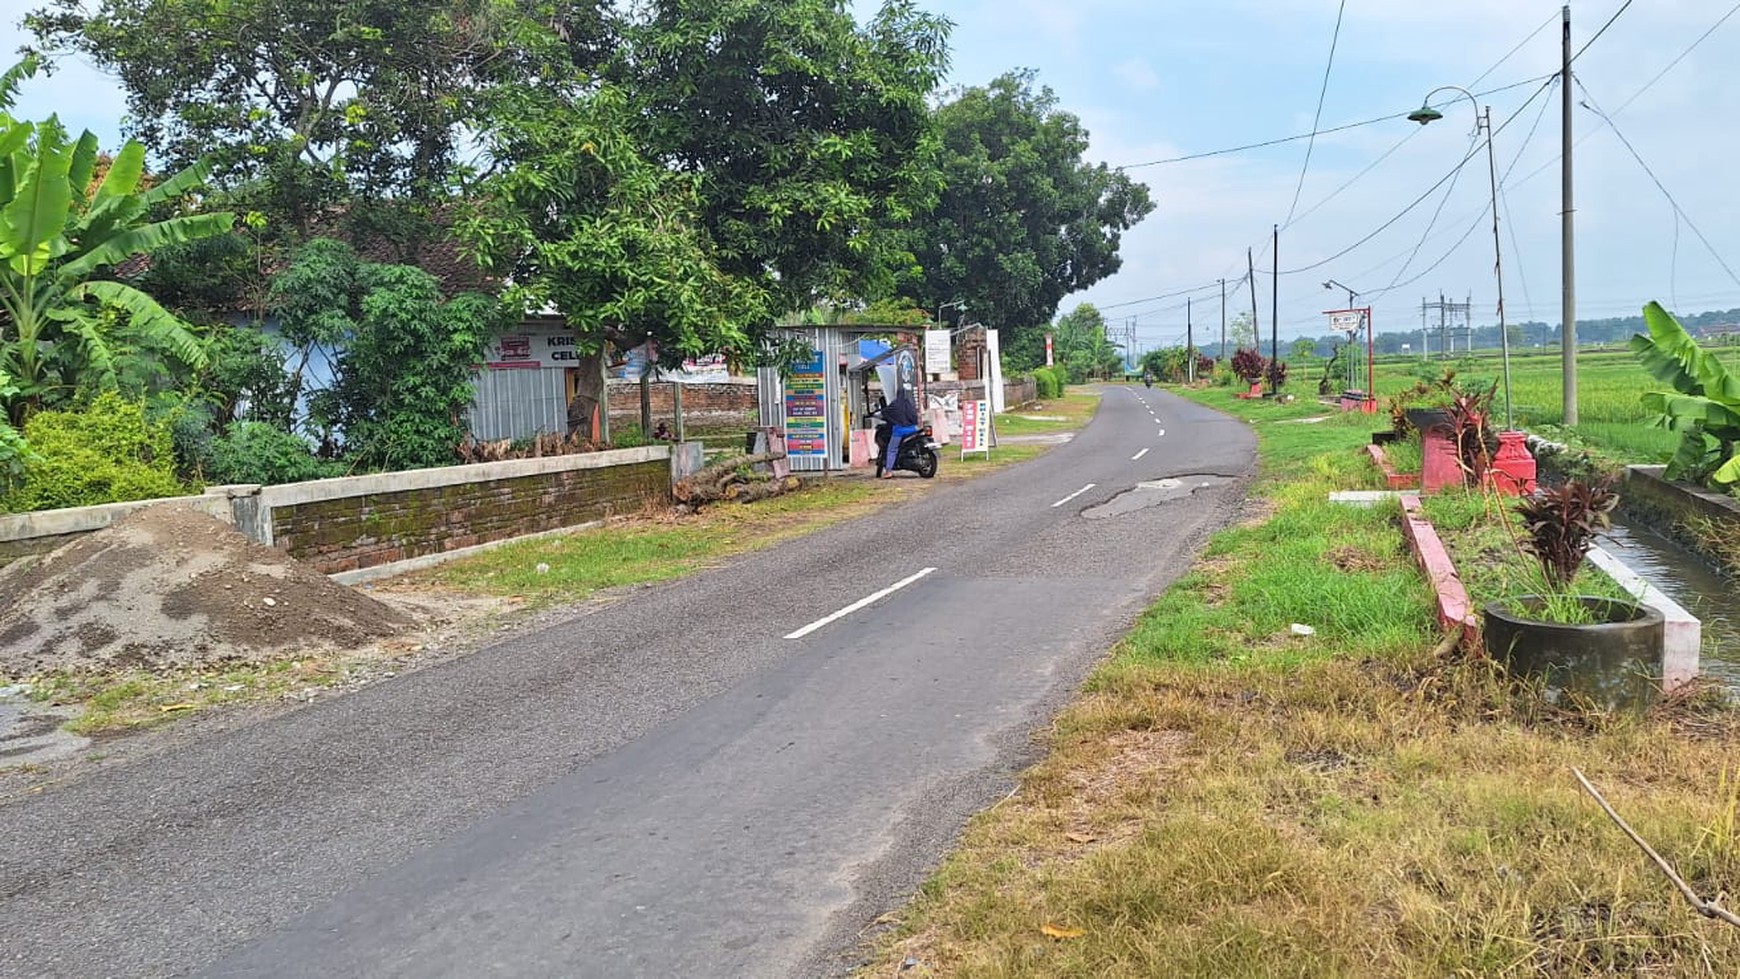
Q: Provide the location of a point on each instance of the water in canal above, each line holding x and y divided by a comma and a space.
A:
1685, 578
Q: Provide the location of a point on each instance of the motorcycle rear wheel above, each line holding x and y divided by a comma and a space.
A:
926, 460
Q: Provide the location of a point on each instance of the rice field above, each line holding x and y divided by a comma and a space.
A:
1608, 385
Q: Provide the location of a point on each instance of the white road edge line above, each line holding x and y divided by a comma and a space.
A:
860, 603
1163, 431
1072, 496
1139, 455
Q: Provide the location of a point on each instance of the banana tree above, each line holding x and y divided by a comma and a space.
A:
64, 320
1704, 405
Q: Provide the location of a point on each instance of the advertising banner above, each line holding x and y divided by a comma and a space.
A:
806, 408
936, 351
975, 428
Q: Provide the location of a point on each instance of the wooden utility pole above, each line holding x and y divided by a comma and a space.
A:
1251, 274
1189, 343
1568, 310
1223, 317
1275, 311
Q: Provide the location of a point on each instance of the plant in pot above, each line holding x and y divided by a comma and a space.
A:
1607, 651
1249, 366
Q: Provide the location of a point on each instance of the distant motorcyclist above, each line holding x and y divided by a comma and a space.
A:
901, 417
1147, 379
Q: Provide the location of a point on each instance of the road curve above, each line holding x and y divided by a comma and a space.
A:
666, 786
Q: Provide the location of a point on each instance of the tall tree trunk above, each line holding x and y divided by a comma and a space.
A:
583, 410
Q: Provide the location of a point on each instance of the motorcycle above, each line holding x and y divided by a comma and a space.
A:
917, 452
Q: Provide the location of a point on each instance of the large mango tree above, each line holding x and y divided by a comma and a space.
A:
1703, 407
65, 320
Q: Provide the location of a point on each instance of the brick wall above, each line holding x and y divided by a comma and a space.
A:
350, 533
697, 399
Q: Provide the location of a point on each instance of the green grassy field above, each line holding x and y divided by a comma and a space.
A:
1608, 385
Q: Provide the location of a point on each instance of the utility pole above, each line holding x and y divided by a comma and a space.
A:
1256, 325
1568, 263
1189, 343
1223, 317
1275, 311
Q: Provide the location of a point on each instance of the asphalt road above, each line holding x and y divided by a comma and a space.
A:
669, 786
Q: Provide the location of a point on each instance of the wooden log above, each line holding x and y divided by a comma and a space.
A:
707, 483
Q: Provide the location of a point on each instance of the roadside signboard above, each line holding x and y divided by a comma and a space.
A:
975, 428
806, 409
936, 351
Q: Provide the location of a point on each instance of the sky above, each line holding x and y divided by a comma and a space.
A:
1154, 80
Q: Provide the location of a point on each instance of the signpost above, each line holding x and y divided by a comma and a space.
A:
1360, 380
975, 428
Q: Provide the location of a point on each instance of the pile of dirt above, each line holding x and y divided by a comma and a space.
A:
170, 586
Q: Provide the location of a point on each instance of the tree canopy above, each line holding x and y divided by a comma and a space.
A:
1023, 220
302, 104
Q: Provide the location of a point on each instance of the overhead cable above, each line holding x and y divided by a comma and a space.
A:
1317, 118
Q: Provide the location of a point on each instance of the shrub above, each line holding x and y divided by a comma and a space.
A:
256, 452
1249, 365
1048, 383
105, 453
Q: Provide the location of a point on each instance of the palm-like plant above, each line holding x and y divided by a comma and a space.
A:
1704, 405
63, 320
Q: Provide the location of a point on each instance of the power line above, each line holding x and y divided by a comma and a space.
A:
1588, 98
1316, 132
1532, 174
1681, 57
1512, 52
1322, 91
1169, 295
1427, 193
1603, 30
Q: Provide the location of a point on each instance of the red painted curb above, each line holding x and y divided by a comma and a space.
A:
1455, 610
1395, 479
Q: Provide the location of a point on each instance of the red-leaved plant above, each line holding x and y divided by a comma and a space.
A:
1560, 524
1248, 365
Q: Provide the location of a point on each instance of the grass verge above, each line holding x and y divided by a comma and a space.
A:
1227, 798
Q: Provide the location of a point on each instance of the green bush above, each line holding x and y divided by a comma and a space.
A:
256, 452
105, 453
1049, 382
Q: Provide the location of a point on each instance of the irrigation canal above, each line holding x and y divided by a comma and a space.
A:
1687, 579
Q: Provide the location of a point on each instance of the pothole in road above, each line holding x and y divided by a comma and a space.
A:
1153, 493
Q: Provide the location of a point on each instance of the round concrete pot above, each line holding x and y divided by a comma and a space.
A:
1615, 662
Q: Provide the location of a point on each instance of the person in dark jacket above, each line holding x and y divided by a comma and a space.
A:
902, 418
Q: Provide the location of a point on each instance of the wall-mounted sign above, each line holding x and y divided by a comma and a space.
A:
806, 408
531, 348
936, 351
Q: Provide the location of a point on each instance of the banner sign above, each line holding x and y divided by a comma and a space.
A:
936, 351
994, 380
975, 428
532, 348
1347, 320
543, 347
806, 408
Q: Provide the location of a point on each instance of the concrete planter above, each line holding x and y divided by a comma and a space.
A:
1615, 661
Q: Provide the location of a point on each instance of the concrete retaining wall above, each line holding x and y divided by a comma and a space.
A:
361, 522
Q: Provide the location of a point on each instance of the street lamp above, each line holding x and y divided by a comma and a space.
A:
1482, 120
1351, 292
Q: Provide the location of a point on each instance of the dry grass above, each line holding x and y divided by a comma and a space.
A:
1226, 800
1346, 818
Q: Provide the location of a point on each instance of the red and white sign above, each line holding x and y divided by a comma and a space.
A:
975, 427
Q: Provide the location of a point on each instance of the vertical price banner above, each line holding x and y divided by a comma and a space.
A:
975, 428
